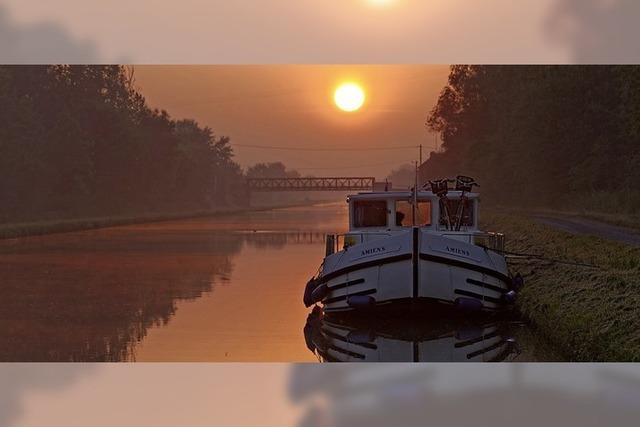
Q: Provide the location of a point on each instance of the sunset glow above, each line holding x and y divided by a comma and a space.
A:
349, 97
381, 3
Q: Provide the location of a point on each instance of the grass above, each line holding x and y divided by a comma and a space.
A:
631, 221
590, 314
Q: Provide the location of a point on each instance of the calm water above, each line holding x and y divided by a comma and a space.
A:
224, 288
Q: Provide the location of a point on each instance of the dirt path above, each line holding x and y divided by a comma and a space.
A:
577, 225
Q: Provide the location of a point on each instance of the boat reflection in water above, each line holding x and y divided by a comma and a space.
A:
404, 339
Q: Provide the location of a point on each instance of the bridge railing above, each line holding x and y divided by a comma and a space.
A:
312, 184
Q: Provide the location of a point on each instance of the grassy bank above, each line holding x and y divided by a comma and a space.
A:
590, 314
622, 220
618, 219
15, 230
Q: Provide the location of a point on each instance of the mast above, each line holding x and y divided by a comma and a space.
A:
415, 196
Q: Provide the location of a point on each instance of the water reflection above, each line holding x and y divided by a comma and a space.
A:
280, 239
93, 296
96, 295
357, 339
466, 394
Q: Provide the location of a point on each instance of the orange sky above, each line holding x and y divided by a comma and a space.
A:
291, 106
295, 31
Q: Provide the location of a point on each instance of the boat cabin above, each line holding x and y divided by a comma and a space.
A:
393, 210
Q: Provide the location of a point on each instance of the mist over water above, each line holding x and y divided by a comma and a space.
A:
222, 288
226, 288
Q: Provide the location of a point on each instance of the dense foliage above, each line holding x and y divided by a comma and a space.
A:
553, 136
271, 170
403, 176
81, 141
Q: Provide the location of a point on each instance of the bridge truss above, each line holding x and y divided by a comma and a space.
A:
312, 184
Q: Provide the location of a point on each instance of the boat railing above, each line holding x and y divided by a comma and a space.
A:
489, 240
337, 242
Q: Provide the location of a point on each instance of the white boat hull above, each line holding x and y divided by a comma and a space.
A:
414, 266
344, 342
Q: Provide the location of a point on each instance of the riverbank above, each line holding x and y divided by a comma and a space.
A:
630, 221
39, 228
590, 314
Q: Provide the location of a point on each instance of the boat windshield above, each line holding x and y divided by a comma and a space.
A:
404, 212
370, 213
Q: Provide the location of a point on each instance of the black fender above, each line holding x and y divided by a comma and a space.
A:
314, 292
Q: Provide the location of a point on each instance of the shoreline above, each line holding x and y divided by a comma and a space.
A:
630, 221
42, 228
588, 314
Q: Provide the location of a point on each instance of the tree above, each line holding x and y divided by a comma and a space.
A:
81, 141
271, 170
402, 177
561, 136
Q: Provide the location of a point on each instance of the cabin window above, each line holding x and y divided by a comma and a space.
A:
453, 205
370, 213
404, 212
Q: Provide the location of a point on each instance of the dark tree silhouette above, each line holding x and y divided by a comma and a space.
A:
271, 170
81, 141
562, 136
403, 176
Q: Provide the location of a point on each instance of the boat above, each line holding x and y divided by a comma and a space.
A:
413, 249
430, 339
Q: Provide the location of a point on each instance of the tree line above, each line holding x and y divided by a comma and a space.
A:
554, 136
81, 141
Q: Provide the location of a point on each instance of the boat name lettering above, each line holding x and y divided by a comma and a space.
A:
373, 251
458, 251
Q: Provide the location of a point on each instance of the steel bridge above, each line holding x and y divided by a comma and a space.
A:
313, 184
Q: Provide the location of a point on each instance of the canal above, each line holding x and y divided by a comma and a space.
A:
223, 288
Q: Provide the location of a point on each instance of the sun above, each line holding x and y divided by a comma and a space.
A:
381, 3
349, 97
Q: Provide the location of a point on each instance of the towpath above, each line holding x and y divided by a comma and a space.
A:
578, 225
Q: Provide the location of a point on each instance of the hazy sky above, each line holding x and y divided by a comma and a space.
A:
295, 31
292, 106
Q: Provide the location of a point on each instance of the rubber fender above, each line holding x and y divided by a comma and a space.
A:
320, 293
468, 304
307, 299
510, 297
517, 282
361, 301
361, 337
469, 332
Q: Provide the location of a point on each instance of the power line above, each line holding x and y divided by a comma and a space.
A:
269, 147
355, 167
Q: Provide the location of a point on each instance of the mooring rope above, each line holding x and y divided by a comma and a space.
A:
543, 258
